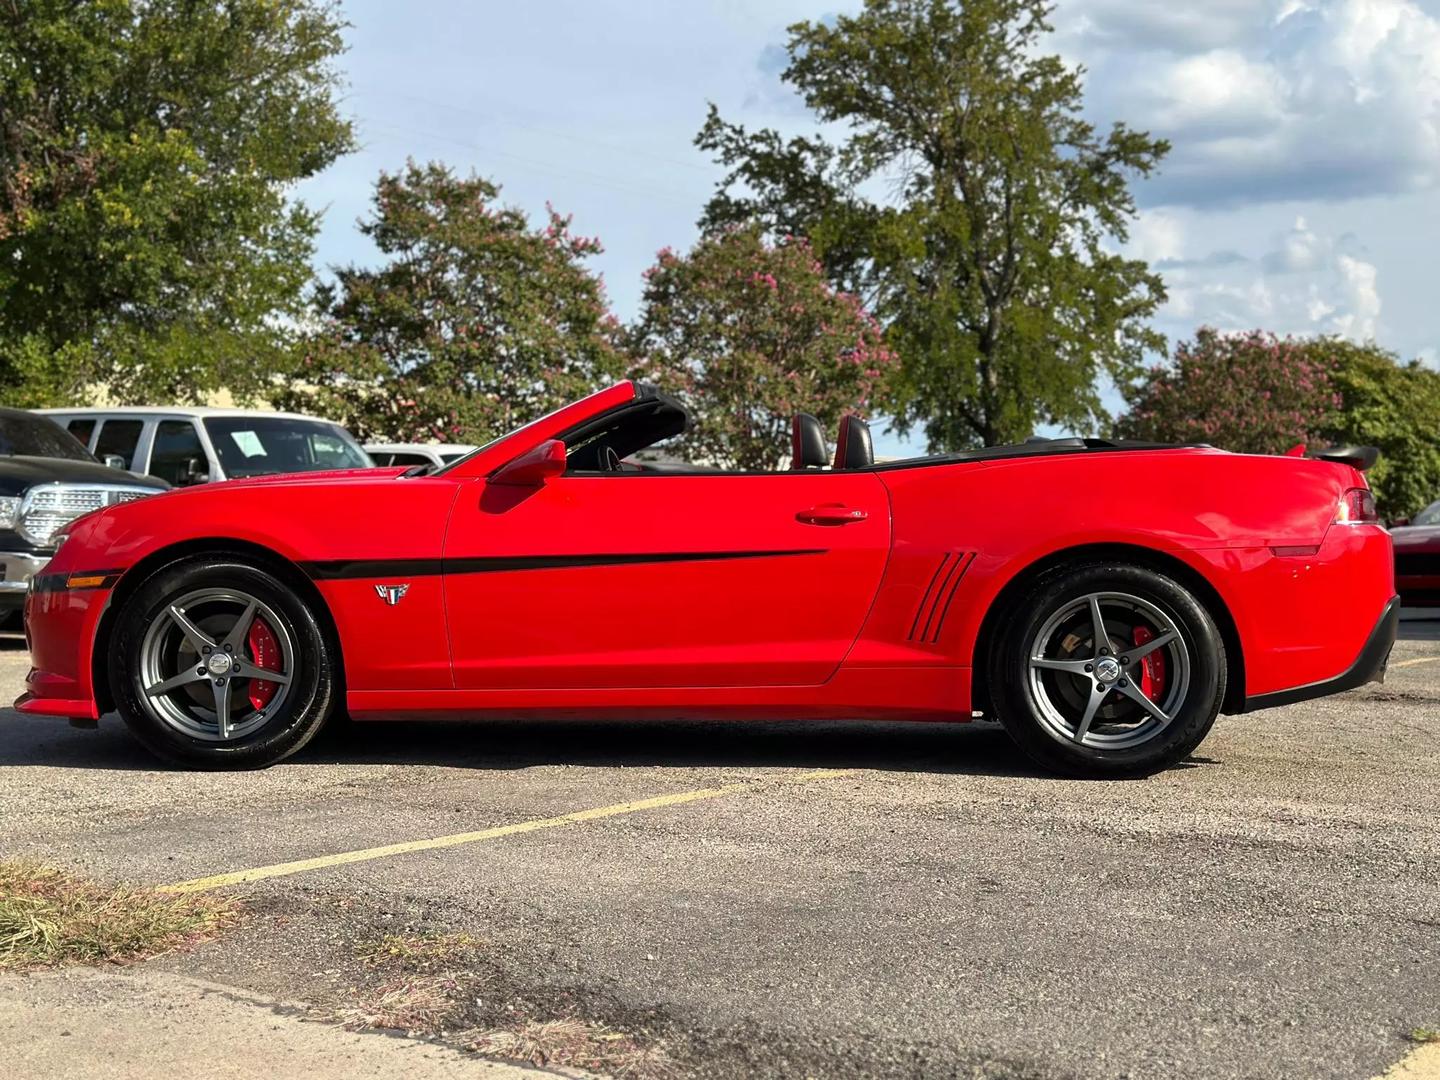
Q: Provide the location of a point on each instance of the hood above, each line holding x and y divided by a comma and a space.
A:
18, 474
323, 476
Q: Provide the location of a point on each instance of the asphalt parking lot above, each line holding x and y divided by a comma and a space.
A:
818, 900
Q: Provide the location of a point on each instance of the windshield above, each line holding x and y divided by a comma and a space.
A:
260, 445
1429, 516
38, 436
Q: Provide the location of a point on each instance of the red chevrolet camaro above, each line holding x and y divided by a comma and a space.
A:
1103, 601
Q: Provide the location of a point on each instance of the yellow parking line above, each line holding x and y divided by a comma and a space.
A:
1422, 1063
1418, 660
302, 866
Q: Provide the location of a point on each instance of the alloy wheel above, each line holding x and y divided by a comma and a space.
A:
1108, 671
216, 664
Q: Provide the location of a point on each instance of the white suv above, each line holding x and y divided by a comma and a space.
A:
184, 445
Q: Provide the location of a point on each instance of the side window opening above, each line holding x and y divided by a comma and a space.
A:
177, 446
119, 437
82, 427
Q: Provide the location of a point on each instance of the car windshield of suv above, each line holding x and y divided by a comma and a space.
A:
1429, 516
36, 436
260, 445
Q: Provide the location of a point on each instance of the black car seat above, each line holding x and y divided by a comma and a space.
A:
853, 449
807, 443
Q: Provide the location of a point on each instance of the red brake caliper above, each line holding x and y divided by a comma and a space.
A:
266, 653
1152, 668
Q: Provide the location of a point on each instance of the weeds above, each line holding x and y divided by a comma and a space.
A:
49, 917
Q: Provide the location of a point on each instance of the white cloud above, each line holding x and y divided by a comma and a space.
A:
1362, 299
1301, 251
1309, 283
1266, 100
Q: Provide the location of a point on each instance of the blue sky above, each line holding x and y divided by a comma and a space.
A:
1301, 196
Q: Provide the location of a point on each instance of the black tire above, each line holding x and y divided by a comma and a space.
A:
1034, 718
311, 696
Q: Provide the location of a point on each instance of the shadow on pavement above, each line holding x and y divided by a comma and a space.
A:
974, 749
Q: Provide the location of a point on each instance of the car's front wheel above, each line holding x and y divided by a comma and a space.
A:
219, 664
1108, 670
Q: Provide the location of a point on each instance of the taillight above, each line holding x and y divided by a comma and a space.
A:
1357, 507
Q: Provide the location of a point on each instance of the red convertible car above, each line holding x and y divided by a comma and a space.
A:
1103, 601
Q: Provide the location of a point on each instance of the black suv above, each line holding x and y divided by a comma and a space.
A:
47, 480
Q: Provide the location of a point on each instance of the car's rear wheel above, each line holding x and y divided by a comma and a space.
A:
220, 664
1108, 670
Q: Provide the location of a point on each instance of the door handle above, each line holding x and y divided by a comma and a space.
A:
831, 514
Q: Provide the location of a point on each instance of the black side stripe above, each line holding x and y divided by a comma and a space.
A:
345, 569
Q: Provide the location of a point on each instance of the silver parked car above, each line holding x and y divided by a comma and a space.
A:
192, 445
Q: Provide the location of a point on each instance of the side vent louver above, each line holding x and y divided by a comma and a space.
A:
935, 604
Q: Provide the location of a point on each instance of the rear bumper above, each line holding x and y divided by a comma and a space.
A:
1368, 667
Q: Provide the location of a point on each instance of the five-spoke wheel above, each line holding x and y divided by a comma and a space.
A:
1108, 670
222, 662
215, 662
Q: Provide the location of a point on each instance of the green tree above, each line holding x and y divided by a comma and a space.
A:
751, 333
1392, 405
1256, 393
147, 150
970, 205
1252, 393
475, 322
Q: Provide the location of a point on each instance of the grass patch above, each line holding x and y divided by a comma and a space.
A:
448, 1005
416, 1005
419, 950
49, 917
1424, 1035
573, 1044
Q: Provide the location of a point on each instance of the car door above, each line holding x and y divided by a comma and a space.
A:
662, 580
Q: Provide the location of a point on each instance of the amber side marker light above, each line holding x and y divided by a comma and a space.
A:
90, 582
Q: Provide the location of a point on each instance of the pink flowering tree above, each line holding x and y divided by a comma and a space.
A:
474, 322
1250, 392
751, 333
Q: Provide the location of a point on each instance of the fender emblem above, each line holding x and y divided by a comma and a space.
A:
391, 594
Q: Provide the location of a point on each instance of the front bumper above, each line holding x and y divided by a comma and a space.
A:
16, 570
1368, 667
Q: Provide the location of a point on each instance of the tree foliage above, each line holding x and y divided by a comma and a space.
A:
970, 204
1252, 393
147, 148
752, 332
475, 321
1256, 393
1392, 405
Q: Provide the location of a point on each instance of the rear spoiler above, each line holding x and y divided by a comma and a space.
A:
1360, 458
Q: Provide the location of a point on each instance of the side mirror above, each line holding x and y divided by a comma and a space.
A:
534, 467
1400, 523
196, 472
114, 461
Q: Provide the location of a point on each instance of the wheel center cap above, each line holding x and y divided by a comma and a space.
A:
1107, 669
218, 664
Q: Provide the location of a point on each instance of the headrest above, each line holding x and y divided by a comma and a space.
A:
807, 443
853, 449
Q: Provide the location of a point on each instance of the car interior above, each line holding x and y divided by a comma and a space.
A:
606, 444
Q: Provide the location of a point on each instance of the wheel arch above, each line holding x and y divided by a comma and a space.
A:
1161, 561
157, 560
